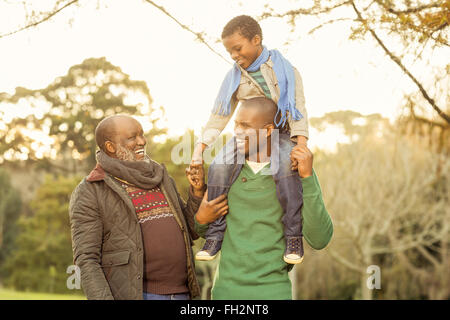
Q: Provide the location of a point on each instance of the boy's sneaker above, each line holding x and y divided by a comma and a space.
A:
209, 251
294, 250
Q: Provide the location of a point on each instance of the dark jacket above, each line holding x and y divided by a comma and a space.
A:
107, 239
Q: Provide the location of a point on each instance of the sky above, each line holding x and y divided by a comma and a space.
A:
183, 75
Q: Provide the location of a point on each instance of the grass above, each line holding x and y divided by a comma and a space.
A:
8, 294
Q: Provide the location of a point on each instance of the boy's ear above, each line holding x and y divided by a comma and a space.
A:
256, 40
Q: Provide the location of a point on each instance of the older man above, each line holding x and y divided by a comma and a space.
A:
131, 231
251, 264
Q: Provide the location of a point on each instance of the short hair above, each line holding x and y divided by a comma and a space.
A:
265, 106
245, 25
269, 109
105, 131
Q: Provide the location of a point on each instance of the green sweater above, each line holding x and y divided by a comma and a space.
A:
251, 263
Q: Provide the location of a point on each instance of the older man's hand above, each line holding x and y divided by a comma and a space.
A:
304, 158
210, 211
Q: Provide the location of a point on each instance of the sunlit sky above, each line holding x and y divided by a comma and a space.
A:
183, 75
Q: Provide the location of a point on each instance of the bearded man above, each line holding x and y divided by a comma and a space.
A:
131, 231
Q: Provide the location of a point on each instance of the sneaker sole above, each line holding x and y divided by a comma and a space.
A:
205, 258
292, 261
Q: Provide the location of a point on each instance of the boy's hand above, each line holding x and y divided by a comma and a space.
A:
304, 158
301, 140
210, 211
196, 176
197, 157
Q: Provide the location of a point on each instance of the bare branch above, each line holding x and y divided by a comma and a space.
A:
311, 11
426, 121
198, 35
36, 23
329, 22
400, 64
428, 256
339, 258
413, 10
401, 14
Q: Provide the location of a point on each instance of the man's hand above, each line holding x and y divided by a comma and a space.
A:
210, 211
304, 158
196, 176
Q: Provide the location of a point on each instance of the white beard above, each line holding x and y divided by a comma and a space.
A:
124, 154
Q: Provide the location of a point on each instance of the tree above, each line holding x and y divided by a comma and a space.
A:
43, 246
10, 208
415, 28
412, 25
389, 202
62, 117
416, 24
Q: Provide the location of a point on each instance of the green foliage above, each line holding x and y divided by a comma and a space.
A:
73, 105
43, 246
10, 208
353, 123
7, 294
165, 151
176, 153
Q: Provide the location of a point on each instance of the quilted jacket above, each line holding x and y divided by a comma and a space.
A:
107, 239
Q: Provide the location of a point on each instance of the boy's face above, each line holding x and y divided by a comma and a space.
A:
242, 50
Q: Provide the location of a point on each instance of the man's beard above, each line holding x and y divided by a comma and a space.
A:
125, 154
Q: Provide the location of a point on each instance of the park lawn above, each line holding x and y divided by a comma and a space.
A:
8, 294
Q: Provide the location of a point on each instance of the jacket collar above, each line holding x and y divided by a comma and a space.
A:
97, 174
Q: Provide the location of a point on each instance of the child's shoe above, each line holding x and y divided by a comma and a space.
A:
209, 251
294, 250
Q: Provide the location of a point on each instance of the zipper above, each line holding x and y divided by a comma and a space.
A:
123, 194
173, 208
183, 229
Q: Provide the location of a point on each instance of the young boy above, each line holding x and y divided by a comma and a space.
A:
257, 72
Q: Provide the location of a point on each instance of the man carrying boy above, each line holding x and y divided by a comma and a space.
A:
250, 266
257, 72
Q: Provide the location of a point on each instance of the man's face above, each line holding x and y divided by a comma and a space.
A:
250, 130
242, 50
129, 140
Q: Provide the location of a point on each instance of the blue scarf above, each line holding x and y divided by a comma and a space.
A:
286, 82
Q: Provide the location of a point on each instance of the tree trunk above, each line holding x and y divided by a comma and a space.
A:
366, 293
293, 277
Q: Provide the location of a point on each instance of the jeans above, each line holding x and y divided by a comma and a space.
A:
176, 296
227, 166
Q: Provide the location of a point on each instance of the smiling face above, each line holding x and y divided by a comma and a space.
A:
253, 126
241, 49
128, 142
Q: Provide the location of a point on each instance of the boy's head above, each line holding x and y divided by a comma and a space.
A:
242, 37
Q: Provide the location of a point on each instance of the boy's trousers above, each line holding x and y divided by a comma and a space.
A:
227, 166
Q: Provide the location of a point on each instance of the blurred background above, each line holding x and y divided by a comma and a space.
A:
376, 80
